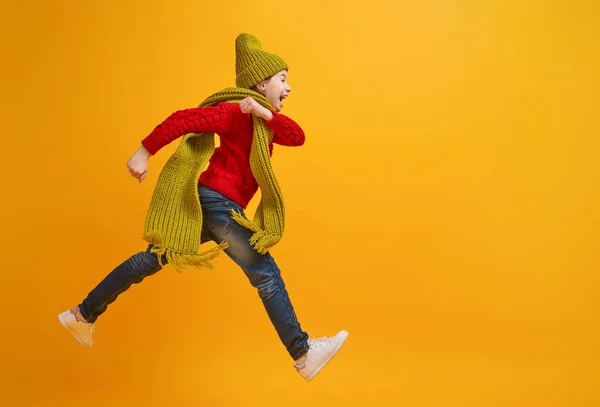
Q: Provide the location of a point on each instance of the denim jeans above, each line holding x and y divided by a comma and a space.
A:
261, 270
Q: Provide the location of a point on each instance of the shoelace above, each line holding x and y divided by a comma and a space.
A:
313, 343
315, 339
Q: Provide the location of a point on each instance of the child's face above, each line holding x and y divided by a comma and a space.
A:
276, 89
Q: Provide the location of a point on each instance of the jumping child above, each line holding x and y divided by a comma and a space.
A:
190, 206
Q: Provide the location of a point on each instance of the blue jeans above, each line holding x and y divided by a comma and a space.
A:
217, 226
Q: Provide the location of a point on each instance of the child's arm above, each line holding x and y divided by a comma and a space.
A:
212, 119
286, 131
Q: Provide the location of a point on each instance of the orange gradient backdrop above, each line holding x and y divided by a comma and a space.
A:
444, 209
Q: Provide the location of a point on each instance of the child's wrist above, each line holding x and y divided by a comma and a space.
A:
267, 114
143, 151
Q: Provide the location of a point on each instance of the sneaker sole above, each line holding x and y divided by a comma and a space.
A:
77, 337
331, 355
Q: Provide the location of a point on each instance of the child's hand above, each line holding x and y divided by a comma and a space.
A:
249, 105
138, 164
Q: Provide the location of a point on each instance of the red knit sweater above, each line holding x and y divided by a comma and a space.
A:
229, 168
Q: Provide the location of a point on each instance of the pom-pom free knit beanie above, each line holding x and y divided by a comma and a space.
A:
252, 64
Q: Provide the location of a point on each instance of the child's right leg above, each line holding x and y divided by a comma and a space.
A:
131, 271
80, 320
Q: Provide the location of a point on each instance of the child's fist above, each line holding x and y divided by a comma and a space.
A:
138, 164
249, 105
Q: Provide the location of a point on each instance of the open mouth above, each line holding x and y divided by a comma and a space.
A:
282, 97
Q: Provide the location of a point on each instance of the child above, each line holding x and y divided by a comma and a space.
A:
190, 207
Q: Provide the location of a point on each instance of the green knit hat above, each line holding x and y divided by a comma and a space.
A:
252, 64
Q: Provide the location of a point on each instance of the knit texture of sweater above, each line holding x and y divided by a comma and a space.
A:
229, 170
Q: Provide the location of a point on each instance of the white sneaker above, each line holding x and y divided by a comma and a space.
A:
319, 354
81, 331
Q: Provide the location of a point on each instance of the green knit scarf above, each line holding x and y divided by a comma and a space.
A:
174, 220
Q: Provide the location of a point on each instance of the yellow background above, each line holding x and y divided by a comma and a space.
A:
444, 209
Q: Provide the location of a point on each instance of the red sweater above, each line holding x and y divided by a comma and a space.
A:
229, 168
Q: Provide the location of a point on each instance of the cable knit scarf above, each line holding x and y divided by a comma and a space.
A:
174, 220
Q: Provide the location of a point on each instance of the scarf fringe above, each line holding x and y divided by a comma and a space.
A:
180, 260
261, 240
174, 220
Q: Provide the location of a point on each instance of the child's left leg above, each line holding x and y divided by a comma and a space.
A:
311, 355
265, 276
261, 270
